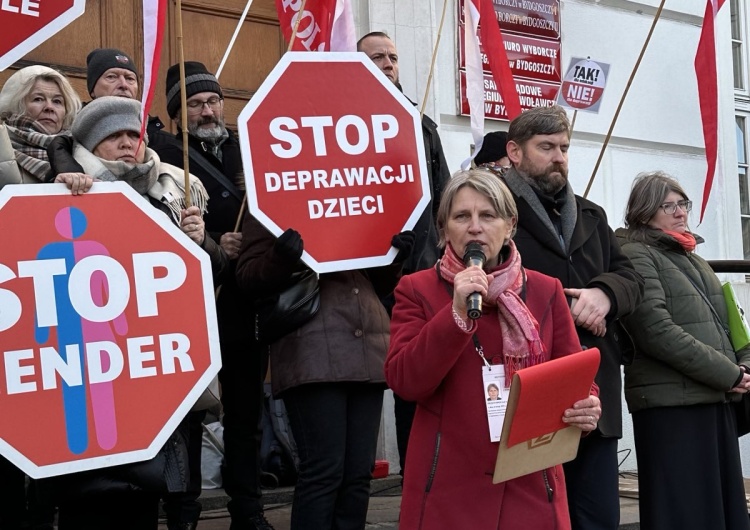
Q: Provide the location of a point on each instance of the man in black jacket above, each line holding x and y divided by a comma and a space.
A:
566, 236
109, 72
379, 47
215, 158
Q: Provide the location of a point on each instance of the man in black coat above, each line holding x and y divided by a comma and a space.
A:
379, 47
216, 160
109, 72
566, 236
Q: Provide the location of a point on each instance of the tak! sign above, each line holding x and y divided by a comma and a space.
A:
332, 149
107, 327
583, 86
28, 23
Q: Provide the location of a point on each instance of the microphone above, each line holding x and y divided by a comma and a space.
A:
474, 256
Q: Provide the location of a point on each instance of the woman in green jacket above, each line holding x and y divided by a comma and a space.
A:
685, 372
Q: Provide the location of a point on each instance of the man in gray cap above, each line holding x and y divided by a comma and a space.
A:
216, 160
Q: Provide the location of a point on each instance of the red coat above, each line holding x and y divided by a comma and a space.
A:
431, 361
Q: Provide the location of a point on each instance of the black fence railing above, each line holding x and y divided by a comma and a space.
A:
730, 265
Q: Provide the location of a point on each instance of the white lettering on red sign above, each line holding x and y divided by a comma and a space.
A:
580, 93
173, 349
141, 355
382, 127
338, 178
367, 135
308, 28
25, 7
42, 272
348, 177
345, 206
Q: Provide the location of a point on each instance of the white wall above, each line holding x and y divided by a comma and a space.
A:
659, 125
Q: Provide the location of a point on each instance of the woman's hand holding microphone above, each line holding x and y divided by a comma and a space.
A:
470, 280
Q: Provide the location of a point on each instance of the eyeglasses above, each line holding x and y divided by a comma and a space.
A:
670, 207
196, 107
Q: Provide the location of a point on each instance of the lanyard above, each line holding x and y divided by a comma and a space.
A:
480, 350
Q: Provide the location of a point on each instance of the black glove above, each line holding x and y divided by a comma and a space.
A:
404, 242
60, 153
289, 244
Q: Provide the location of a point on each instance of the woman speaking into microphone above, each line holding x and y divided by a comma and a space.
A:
444, 360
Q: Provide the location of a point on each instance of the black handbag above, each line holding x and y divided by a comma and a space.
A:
282, 313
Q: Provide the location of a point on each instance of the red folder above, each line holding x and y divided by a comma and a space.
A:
534, 436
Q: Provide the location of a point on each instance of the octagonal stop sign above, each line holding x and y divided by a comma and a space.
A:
108, 327
332, 149
28, 23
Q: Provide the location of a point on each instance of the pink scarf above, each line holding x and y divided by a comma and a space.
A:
522, 346
685, 239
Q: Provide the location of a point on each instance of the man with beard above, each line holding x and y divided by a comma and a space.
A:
567, 237
216, 160
379, 47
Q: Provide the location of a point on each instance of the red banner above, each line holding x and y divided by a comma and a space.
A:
531, 35
315, 23
708, 92
528, 57
539, 18
530, 93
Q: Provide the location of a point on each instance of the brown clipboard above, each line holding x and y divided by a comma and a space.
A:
537, 438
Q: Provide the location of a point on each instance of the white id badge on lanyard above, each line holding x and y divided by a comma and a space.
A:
496, 397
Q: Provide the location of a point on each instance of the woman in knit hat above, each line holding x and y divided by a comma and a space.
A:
37, 104
106, 144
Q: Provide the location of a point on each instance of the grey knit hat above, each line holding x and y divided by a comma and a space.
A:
101, 60
197, 79
106, 116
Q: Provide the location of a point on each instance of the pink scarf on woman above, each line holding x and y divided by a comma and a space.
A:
522, 346
685, 239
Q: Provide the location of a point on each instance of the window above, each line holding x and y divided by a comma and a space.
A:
739, 23
743, 174
738, 45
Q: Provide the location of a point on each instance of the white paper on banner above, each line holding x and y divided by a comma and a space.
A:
474, 79
343, 36
583, 85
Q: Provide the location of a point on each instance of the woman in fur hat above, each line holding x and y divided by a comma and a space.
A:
106, 145
37, 104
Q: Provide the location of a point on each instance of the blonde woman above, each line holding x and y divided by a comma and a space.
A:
37, 103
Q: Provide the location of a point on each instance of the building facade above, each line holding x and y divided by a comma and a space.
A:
659, 125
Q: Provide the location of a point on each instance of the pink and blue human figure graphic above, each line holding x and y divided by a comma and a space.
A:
73, 329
